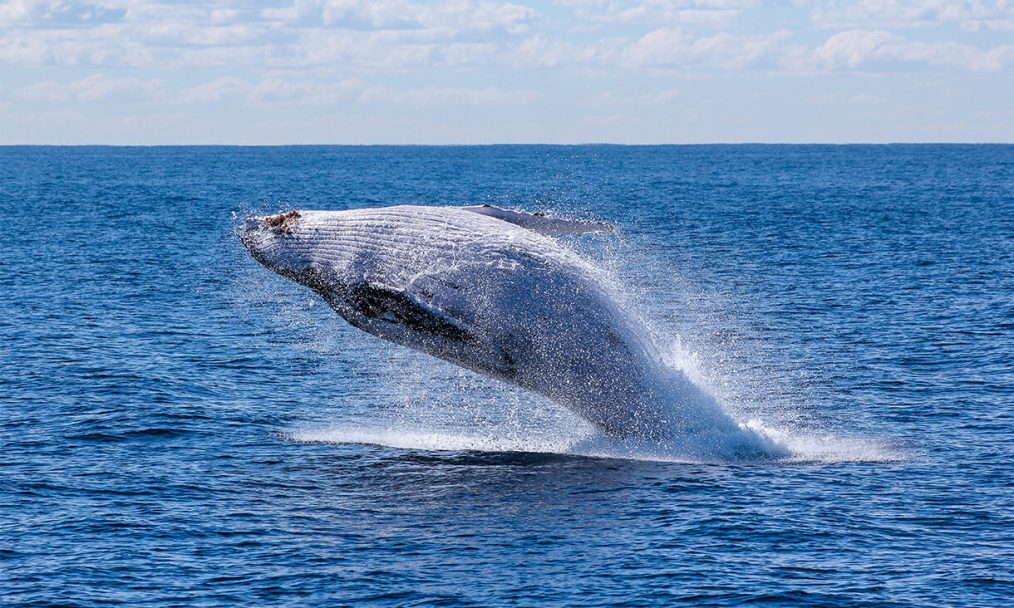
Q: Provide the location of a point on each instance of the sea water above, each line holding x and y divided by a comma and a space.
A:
179, 426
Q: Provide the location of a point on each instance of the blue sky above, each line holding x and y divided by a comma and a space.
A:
483, 71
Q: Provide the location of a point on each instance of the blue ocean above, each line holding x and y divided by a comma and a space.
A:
181, 427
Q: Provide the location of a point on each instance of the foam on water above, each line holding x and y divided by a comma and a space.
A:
821, 447
432, 440
803, 449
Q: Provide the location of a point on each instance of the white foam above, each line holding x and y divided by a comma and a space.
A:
817, 448
822, 447
438, 441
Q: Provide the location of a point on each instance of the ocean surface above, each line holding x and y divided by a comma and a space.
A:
181, 427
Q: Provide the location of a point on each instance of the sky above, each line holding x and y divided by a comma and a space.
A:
483, 71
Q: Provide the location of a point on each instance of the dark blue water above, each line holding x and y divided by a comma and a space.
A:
180, 427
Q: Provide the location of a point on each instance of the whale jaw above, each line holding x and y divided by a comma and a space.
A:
272, 241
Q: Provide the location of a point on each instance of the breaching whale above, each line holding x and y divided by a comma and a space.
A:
491, 290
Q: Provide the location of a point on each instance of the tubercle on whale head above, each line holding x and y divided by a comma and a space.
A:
265, 238
260, 225
282, 222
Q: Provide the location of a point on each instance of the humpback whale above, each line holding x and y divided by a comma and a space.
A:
491, 290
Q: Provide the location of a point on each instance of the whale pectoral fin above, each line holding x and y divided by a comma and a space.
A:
541, 223
398, 306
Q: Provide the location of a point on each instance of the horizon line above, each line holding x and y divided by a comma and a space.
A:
477, 145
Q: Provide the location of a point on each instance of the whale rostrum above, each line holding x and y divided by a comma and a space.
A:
491, 290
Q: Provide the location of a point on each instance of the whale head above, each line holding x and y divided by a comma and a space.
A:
370, 274
286, 243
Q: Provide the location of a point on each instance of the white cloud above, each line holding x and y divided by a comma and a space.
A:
237, 63
369, 50
668, 47
279, 91
275, 91
469, 53
481, 16
437, 96
96, 87
672, 12
101, 44
888, 14
350, 14
384, 35
215, 90
56, 12
450, 18
862, 49
185, 35
228, 57
542, 52
661, 48
612, 99
853, 100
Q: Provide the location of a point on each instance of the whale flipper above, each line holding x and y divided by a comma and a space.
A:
538, 222
375, 301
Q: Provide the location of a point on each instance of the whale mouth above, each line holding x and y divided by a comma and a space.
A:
253, 235
260, 237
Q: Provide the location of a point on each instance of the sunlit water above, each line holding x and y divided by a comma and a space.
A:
182, 427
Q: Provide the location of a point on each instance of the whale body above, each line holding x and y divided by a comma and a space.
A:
490, 290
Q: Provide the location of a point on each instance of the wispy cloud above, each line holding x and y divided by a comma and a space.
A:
611, 99
49, 13
972, 15
97, 87
674, 47
872, 49
215, 90
673, 12
438, 96
404, 34
277, 90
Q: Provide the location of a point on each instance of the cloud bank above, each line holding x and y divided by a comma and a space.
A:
376, 58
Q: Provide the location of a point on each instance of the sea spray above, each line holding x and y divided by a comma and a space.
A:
440, 406
586, 344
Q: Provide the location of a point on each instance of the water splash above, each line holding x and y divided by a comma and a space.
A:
438, 407
802, 449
